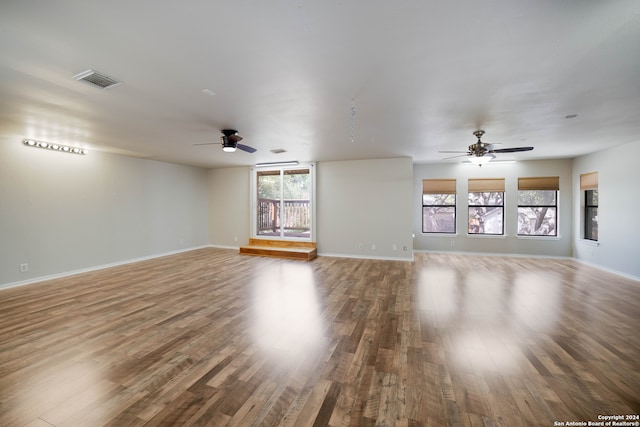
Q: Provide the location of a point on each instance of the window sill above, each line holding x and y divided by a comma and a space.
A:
588, 242
440, 234
538, 237
487, 236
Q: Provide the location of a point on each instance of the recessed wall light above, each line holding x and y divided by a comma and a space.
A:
54, 147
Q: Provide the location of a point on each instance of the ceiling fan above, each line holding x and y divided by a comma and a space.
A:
230, 142
482, 152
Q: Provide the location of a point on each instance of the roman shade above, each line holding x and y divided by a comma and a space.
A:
479, 185
438, 186
589, 181
539, 183
296, 171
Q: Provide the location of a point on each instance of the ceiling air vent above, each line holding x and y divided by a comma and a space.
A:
97, 79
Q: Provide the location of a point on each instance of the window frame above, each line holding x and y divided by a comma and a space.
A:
254, 172
447, 205
555, 215
443, 187
589, 182
588, 208
483, 186
470, 206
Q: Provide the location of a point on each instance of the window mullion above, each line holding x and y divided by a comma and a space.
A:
281, 203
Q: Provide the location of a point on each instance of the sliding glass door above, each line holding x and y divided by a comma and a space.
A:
283, 202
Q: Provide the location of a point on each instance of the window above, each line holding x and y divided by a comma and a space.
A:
486, 206
538, 206
589, 184
439, 206
284, 202
591, 215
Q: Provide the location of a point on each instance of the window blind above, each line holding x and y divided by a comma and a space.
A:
539, 183
296, 171
438, 186
589, 181
479, 185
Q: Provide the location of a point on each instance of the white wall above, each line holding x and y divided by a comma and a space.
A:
618, 210
229, 207
368, 202
363, 201
510, 243
61, 213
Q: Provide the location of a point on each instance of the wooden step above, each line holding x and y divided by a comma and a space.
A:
280, 249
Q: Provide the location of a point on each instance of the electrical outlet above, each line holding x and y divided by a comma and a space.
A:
235, 238
453, 243
360, 246
404, 248
24, 268
373, 247
394, 247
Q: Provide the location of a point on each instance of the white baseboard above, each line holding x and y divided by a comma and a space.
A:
366, 257
411, 259
599, 267
512, 255
237, 248
609, 270
95, 268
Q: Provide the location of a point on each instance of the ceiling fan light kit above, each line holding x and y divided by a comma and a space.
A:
481, 160
229, 141
228, 146
481, 152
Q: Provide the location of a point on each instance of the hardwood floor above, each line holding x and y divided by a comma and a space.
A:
211, 337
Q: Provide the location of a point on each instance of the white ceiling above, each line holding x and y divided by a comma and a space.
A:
421, 76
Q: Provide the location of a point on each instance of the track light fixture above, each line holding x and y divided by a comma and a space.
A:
269, 164
55, 147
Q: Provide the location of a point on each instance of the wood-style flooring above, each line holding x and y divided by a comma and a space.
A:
211, 337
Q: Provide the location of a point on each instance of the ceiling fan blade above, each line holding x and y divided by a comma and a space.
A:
207, 143
455, 157
235, 138
246, 148
448, 151
510, 150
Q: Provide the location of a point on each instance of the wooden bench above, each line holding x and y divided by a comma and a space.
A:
280, 249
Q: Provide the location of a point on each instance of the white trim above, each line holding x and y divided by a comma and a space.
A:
487, 236
514, 255
537, 237
253, 191
237, 248
609, 270
495, 254
95, 268
411, 259
587, 242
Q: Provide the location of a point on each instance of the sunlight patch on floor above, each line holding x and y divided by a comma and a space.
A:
287, 317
